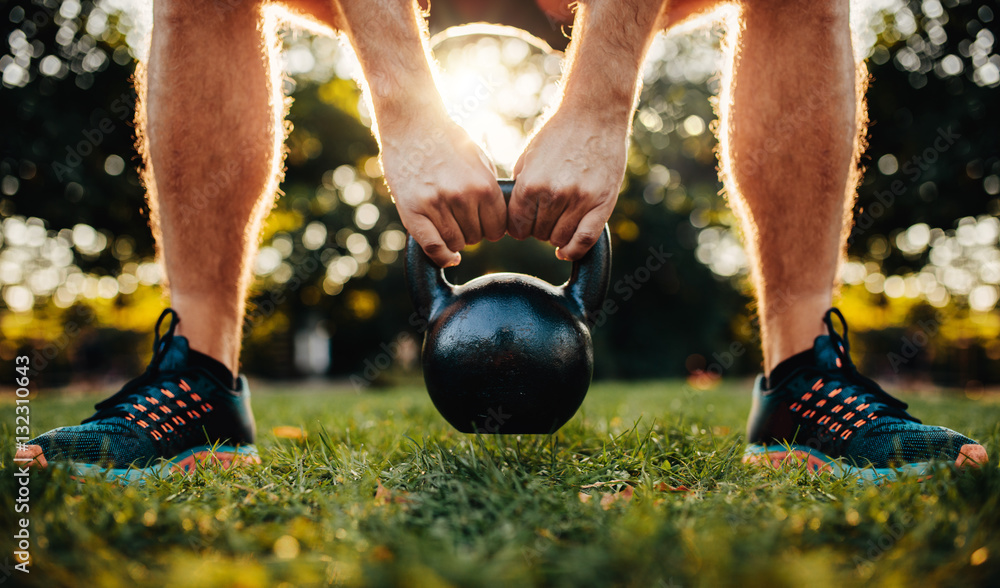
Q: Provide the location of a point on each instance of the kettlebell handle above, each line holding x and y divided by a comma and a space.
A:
587, 286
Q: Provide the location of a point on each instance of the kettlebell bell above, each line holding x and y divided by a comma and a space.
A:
508, 353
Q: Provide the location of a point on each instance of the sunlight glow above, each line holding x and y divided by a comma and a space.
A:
496, 82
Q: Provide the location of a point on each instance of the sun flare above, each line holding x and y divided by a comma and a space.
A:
496, 82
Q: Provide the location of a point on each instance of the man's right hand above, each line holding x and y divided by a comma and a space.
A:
444, 186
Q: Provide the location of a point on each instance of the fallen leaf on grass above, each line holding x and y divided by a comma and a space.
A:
610, 498
599, 484
288, 432
664, 487
384, 496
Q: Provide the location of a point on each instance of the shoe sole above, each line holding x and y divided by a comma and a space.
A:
225, 456
778, 456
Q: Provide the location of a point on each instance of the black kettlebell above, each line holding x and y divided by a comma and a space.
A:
508, 353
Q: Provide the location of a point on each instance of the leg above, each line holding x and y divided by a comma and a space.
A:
790, 116
210, 131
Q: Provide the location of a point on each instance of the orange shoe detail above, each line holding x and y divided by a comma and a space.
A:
971, 455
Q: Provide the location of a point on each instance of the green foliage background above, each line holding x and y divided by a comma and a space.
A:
65, 124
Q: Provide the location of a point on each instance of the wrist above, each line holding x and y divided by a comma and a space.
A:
610, 41
388, 38
400, 101
608, 101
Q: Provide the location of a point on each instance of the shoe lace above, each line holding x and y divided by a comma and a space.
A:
149, 383
867, 390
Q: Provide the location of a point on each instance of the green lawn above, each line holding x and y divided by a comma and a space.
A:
462, 510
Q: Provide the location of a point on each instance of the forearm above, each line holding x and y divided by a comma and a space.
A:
388, 38
610, 41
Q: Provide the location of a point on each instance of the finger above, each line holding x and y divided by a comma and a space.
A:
551, 206
446, 225
493, 215
519, 165
521, 212
487, 161
586, 234
562, 233
427, 236
464, 210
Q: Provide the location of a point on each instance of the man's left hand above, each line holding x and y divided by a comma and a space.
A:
568, 178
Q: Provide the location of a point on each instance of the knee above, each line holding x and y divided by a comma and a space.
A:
309, 13
205, 11
679, 11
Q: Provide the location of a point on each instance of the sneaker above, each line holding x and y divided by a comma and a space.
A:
835, 420
171, 418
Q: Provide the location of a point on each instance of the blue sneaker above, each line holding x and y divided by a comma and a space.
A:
835, 420
170, 419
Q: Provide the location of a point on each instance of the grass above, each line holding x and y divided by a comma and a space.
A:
478, 511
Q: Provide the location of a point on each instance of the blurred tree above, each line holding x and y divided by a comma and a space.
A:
74, 231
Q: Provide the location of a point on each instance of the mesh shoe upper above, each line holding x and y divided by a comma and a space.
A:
832, 408
170, 408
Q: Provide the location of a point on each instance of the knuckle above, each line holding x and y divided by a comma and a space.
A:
473, 234
561, 196
454, 240
587, 237
561, 238
518, 226
455, 197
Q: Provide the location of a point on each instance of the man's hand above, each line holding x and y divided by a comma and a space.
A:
568, 179
444, 186
445, 189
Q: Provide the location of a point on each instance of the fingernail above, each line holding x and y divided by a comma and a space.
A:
559, 255
454, 261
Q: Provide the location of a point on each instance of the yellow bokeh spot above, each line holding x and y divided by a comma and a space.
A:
342, 94
286, 547
363, 303
627, 230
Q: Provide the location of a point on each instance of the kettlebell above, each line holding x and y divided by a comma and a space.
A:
508, 353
